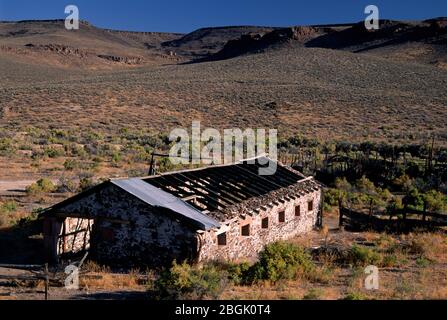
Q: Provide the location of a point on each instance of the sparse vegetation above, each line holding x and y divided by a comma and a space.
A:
280, 261
313, 294
183, 281
377, 158
362, 256
40, 187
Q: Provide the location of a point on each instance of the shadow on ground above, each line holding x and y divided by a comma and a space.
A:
22, 243
115, 295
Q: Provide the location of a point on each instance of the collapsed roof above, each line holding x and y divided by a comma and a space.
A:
212, 195
223, 192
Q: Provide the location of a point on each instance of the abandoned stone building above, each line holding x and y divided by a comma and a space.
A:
226, 212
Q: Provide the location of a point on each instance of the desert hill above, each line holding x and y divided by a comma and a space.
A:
206, 41
48, 42
421, 42
301, 80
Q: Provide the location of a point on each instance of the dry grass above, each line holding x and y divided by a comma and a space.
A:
417, 271
99, 277
330, 280
432, 246
108, 281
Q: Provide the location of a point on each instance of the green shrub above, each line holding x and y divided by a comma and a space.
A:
70, 164
321, 275
422, 262
66, 185
85, 184
354, 296
8, 207
389, 260
43, 185
6, 147
331, 197
183, 281
237, 273
436, 201
362, 256
116, 157
280, 260
77, 151
313, 294
52, 152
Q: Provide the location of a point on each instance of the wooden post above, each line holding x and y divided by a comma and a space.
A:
151, 167
424, 215
47, 280
340, 211
320, 216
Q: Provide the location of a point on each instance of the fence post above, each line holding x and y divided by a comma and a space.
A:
46, 281
321, 211
424, 215
340, 211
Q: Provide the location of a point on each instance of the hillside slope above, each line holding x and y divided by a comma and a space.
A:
206, 41
48, 42
320, 92
422, 42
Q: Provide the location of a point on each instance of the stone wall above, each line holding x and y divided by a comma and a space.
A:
121, 229
127, 231
239, 247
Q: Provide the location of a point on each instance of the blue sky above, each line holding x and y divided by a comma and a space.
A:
185, 16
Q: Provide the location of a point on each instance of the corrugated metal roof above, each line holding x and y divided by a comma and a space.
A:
159, 198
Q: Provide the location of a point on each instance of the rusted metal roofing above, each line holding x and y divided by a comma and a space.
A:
159, 198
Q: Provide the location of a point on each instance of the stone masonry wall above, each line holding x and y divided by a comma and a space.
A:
239, 247
125, 230
128, 231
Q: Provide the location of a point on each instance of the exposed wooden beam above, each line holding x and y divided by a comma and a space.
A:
217, 187
203, 187
205, 201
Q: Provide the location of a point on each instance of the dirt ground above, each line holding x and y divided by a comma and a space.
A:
14, 187
412, 277
122, 289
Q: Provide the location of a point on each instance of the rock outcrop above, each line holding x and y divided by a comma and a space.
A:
255, 42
